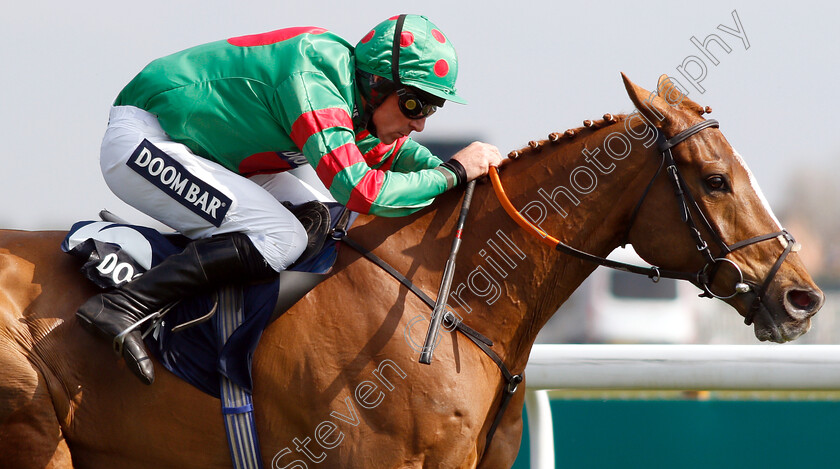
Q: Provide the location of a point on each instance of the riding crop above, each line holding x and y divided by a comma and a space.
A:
446, 281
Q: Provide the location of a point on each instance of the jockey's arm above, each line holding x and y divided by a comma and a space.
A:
411, 156
476, 158
320, 125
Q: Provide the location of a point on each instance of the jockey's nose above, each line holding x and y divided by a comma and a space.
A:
417, 125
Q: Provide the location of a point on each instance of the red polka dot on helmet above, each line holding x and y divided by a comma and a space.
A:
439, 36
441, 68
368, 36
406, 39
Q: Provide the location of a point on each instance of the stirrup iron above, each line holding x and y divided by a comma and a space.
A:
201, 319
155, 318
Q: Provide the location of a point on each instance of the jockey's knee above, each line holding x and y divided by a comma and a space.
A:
281, 246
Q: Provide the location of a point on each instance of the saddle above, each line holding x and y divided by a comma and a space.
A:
115, 251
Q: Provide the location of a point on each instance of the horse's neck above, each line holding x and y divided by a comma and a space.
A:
507, 284
550, 179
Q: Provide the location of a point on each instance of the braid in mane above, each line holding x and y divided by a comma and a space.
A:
555, 138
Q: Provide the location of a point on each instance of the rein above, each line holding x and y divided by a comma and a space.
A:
686, 201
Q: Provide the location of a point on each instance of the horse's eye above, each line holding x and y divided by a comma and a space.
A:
716, 182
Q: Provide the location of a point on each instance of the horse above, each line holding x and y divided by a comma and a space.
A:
336, 378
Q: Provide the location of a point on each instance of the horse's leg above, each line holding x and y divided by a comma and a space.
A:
505, 445
30, 435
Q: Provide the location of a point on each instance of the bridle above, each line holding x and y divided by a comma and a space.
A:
687, 205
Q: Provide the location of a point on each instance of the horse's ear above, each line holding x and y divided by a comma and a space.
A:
668, 89
656, 107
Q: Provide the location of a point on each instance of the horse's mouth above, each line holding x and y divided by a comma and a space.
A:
788, 317
767, 330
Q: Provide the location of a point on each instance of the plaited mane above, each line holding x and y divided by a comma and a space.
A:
589, 126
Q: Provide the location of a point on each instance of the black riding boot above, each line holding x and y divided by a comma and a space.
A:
205, 264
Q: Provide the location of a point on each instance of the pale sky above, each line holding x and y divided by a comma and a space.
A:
527, 69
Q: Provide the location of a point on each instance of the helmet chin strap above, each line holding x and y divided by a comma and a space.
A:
368, 120
374, 90
395, 51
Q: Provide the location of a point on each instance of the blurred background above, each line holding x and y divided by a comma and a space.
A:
527, 68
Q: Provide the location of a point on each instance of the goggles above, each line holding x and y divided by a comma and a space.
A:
413, 106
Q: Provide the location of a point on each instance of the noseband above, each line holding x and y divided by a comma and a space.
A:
686, 202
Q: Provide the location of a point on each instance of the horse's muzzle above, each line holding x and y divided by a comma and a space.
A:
788, 317
802, 304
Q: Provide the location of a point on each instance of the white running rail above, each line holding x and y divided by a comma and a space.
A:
667, 367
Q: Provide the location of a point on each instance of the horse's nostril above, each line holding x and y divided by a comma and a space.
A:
802, 299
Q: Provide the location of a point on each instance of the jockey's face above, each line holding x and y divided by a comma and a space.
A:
390, 122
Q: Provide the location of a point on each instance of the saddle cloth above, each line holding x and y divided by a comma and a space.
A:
113, 253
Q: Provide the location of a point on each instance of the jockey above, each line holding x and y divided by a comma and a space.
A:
211, 139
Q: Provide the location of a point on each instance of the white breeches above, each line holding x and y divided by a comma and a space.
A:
200, 198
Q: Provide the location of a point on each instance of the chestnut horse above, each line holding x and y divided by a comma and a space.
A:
337, 382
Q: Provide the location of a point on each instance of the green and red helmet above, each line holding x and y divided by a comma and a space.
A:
426, 60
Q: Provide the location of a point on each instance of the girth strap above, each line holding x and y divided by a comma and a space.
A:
482, 342
237, 405
512, 381
240, 409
